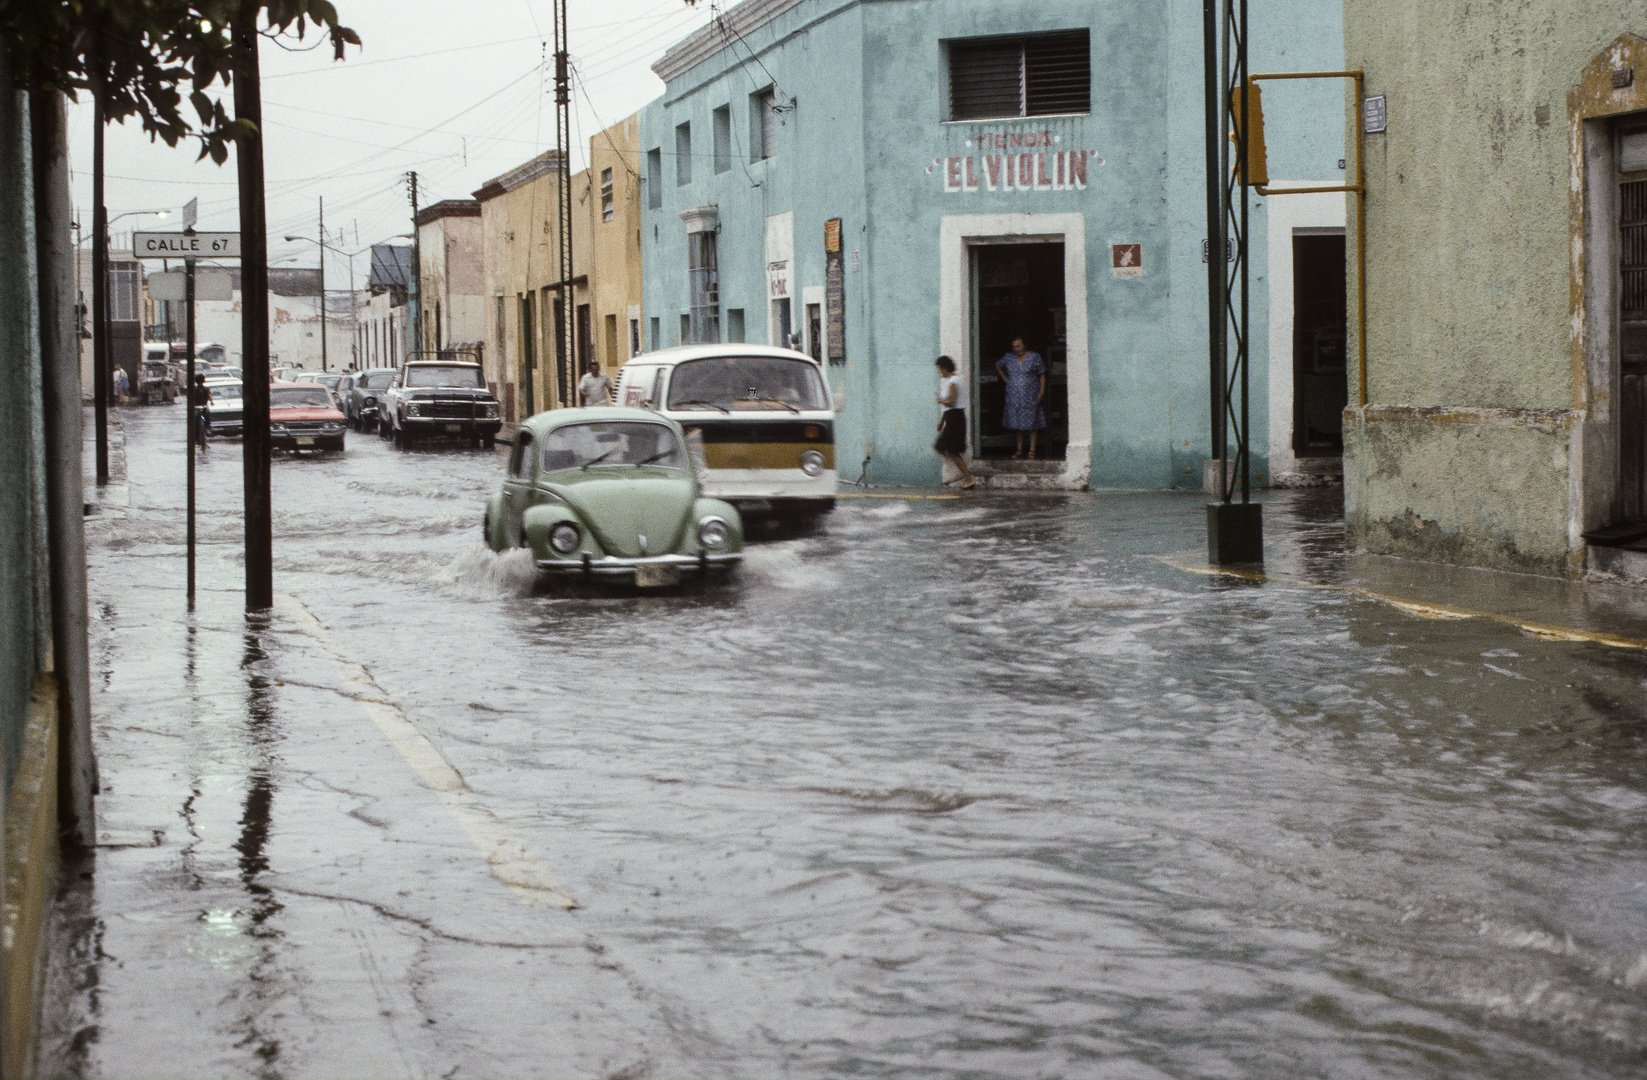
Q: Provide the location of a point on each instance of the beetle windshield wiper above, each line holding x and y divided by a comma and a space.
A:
655, 457
711, 404
603, 457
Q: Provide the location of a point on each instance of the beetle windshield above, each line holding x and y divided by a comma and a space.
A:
299, 397
746, 382
463, 375
573, 446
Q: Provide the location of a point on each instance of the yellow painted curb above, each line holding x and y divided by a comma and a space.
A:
1425, 610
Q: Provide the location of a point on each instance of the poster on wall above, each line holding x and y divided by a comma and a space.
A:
834, 292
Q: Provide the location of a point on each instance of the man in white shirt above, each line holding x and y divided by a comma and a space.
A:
594, 388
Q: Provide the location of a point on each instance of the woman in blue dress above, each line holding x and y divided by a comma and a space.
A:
1026, 387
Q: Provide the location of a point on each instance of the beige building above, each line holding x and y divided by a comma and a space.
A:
1505, 422
522, 281
453, 298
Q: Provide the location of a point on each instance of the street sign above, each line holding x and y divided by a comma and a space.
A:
167, 245
191, 213
208, 285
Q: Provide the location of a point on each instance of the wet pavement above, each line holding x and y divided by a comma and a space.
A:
993, 786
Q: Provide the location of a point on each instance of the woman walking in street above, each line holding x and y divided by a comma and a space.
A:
952, 422
1026, 386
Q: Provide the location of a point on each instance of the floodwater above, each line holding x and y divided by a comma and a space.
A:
981, 787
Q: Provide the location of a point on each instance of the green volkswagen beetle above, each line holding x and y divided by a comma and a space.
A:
611, 494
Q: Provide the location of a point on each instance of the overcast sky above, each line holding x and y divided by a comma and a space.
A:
458, 92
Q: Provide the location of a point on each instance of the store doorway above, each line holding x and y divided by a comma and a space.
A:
1018, 291
1319, 389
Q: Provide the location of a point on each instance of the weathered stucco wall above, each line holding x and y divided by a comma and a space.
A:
1469, 255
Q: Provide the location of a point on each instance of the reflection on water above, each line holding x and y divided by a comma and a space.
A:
986, 787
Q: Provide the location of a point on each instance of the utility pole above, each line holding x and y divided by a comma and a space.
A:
1235, 530
565, 330
322, 247
414, 287
101, 375
254, 317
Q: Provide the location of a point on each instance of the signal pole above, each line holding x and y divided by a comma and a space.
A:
101, 374
322, 246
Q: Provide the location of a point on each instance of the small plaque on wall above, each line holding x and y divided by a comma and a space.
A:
1127, 260
1374, 115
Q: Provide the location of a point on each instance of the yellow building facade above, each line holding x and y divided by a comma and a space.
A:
530, 307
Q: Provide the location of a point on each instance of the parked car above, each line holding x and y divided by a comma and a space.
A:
156, 383
302, 416
764, 415
611, 494
440, 399
362, 404
330, 380
223, 413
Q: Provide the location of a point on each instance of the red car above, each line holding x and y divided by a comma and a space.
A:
303, 416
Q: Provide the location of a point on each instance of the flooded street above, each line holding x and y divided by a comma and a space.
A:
987, 787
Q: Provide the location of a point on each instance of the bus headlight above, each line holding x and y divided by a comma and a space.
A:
812, 463
714, 533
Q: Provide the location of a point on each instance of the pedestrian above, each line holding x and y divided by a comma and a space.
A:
202, 398
952, 420
121, 385
1026, 387
595, 388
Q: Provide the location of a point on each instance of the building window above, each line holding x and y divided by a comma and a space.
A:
122, 291
763, 125
686, 329
634, 337
606, 194
734, 324
723, 138
703, 280
657, 333
1035, 75
683, 154
654, 179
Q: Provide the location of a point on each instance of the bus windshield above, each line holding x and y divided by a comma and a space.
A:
742, 383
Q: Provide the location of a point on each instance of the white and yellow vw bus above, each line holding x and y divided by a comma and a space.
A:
763, 416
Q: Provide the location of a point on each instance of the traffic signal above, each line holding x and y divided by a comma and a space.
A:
1257, 172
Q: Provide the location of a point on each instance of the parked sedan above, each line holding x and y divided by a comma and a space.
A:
222, 411
302, 416
611, 494
363, 405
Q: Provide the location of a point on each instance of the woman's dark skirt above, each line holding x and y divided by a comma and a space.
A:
952, 436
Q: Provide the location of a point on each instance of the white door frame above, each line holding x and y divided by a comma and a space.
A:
1319, 214
957, 235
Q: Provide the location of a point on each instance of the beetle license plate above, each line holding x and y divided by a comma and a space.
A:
653, 576
305, 440
454, 427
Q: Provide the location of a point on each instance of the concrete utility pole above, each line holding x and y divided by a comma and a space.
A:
254, 317
414, 287
565, 328
323, 366
100, 275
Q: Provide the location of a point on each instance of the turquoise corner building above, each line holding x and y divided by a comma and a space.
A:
877, 182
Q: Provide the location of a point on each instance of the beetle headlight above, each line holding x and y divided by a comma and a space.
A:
369, 402
812, 463
564, 537
714, 533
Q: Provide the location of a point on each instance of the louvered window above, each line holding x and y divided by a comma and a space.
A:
1036, 75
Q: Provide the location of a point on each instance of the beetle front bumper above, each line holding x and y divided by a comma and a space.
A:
608, 566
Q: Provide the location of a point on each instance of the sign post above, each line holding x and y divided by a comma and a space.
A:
189, 245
